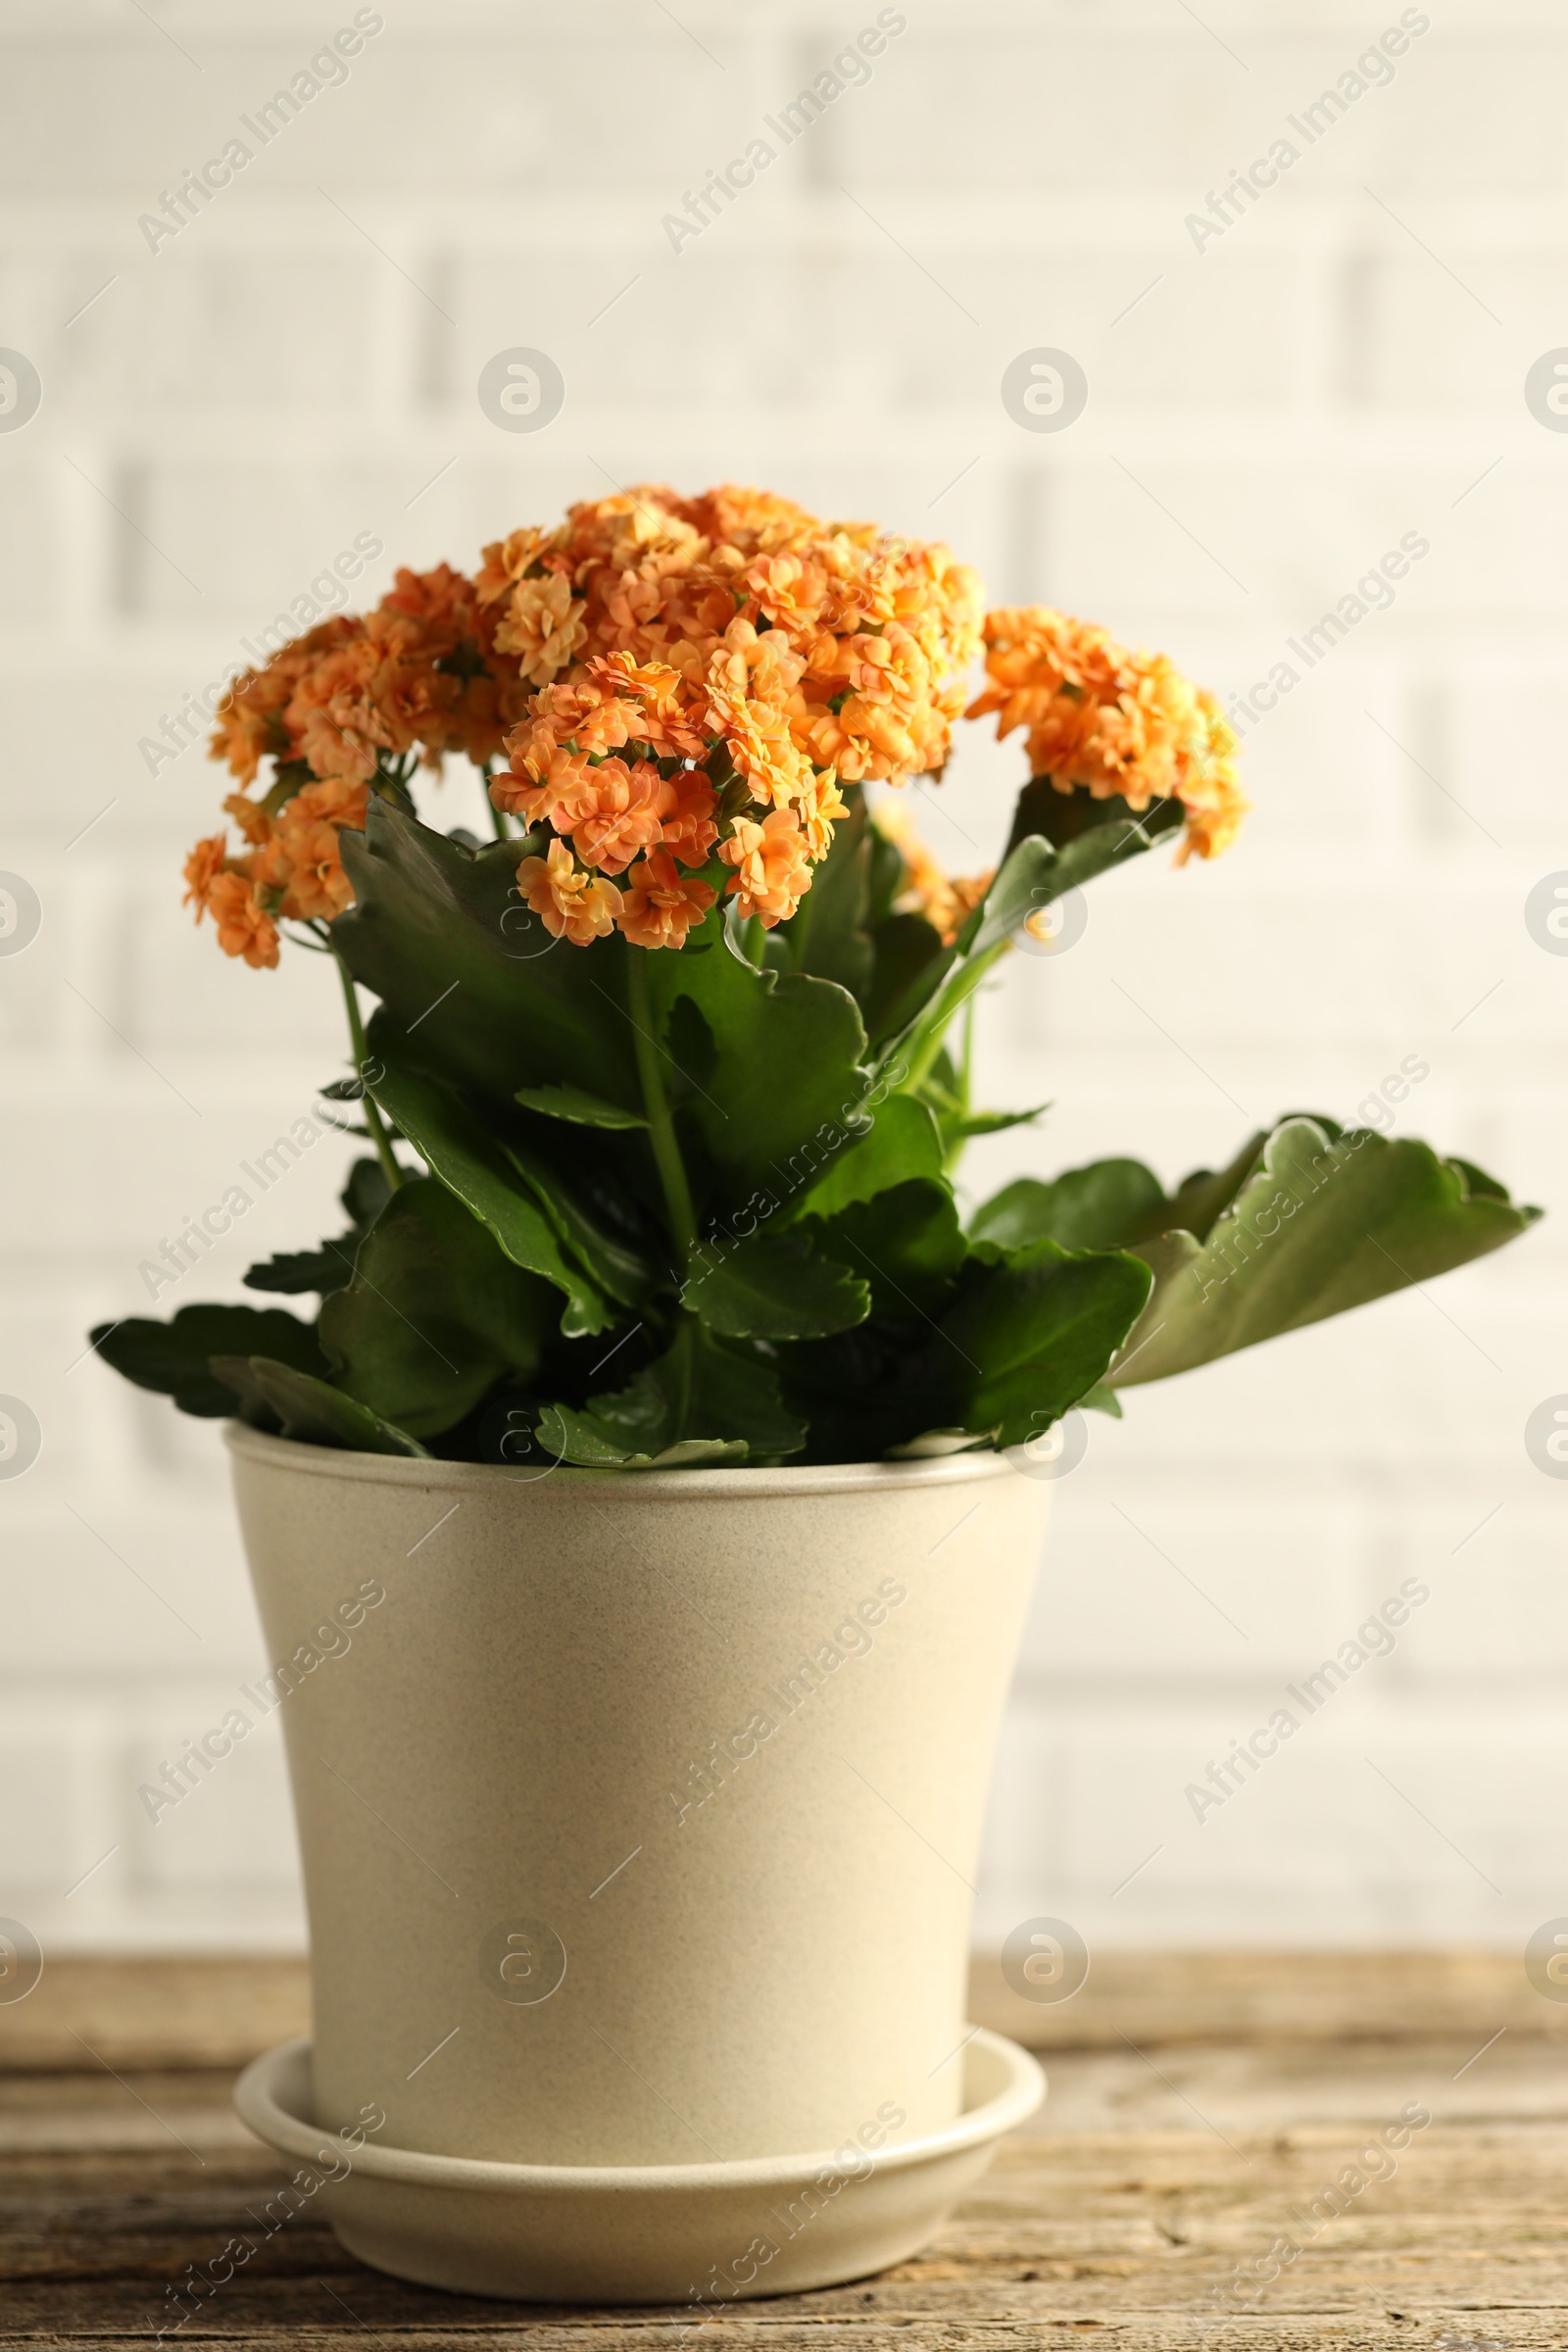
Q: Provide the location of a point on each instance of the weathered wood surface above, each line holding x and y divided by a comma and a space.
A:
1164, 2159
190, 2013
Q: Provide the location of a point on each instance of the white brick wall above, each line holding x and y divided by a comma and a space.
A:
1265, 417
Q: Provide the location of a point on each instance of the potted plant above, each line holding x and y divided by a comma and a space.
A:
661, 1446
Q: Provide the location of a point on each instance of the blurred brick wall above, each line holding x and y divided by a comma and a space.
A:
1267, 416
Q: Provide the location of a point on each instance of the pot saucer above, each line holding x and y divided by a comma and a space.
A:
701, 2233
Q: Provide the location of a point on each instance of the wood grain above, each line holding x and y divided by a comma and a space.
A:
1165, 2166
221, 2012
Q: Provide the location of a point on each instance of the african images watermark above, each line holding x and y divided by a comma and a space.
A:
327, 69
200, 1233
1376, 2161
201, 2284
321, 597
852, 2162
1373, 70
199, 1757
805, 1164
1374, 592
707, 1779
1236, 1239
1374, 1638
849, 69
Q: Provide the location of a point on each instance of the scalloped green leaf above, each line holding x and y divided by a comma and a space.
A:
772, 1287
175, 1357
436, 1315
902, 1142
1011, 1341
309, 1409
1328, 1220
1094, 1207
781, 1061
462, 968
469, 1163
702, 1401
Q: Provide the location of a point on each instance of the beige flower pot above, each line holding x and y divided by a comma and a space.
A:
639, 1818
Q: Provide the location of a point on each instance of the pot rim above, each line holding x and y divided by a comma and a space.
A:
653, 1485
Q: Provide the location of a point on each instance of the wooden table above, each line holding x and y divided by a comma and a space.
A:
1198, 2106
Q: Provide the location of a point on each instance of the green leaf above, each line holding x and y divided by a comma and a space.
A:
436, 1313
1327, 1221
702, 1385
175, 1357
960, 1127
828, 935
1200, 1198
910, 964
1096, 1208
1042, 1329
308, 1408
907, 1242
1038, 870
471, 1164
782, 1069
772, 1287
465, 970
1024, 882
329, 1268
586, 1442
614, 1265
900, 1143
581, 1109
1019, 1338
1067, 818
1101, 1400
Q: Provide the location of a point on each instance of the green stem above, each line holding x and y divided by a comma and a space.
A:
926, 1041
394, 1175
965, 1086
661, 1125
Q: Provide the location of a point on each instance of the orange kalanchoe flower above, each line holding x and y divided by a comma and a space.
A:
772, 867
671, 677
573, 905
244, 927
622, 814
305, 845
1112, 723
687, 805
662, 903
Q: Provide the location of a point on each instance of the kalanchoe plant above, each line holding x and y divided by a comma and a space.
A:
666, 1086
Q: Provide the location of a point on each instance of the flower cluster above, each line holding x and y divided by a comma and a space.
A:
709, 671
349, 705
668, 694
1112, 723
679, 686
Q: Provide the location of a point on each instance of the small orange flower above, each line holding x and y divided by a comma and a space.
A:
772, 867
624, 817
244, 927
662, 903
819, 805
542, 624
574, 905
687, 802
202, 869
250, 817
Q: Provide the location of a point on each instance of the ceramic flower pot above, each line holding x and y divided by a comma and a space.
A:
639, 1818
